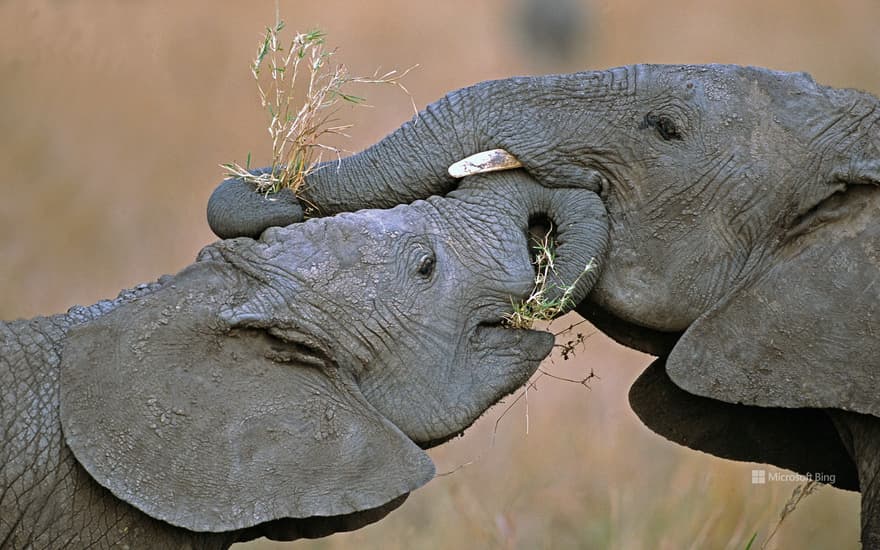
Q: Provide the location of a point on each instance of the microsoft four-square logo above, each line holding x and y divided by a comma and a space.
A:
759, 476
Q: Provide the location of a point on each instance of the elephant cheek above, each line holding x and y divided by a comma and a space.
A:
635, 289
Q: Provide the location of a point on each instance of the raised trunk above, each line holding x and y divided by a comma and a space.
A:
409, 164
527, 116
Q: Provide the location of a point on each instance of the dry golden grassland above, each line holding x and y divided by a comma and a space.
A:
115, 115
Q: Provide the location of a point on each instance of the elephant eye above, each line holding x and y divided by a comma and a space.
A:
426, 265
664, 125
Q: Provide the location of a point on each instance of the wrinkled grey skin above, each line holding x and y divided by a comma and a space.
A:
744, 241
279, 387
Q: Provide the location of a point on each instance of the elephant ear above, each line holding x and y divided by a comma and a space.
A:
803, 440
213, 428
805, 333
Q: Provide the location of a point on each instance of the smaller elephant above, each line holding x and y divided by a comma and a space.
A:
284, 386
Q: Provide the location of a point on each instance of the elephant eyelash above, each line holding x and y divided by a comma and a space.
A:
664, 125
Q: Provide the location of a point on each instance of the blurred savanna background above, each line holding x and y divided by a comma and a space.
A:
114, 116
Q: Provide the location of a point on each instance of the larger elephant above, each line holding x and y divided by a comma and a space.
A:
280, 387
744, 251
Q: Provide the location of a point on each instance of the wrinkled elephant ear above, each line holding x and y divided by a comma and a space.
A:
802, 440
805, 333
213, 428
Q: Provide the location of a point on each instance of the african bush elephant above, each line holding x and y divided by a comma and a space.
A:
283, 386
744, 251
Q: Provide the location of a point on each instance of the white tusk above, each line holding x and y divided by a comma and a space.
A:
486, 161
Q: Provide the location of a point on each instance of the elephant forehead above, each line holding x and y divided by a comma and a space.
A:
362, 226
476, 238
349, 238
377, 221
724, 83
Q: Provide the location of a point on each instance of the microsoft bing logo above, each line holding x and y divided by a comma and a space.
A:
762, 477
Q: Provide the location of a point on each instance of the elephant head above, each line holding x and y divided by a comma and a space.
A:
298, 375
742, 206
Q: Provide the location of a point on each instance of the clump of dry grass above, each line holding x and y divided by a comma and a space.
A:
299, 125
539, 306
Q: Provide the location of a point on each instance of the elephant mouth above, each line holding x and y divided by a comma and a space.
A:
509, 327
528, 344
292, 346
508, 358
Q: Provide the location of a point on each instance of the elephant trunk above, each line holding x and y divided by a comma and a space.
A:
575, 219
409, 164
237, 209
412, 162
581, 241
